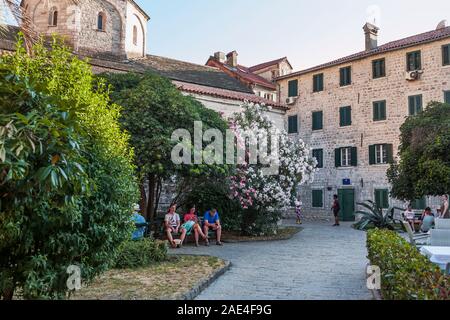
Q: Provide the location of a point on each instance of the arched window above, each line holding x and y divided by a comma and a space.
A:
53, 17
135, 35
101, 21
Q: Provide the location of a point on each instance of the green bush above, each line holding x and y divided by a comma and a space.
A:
141, 253
406, 274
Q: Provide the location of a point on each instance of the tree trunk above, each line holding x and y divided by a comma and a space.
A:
151, 198
144, 201
8, 294
158, 196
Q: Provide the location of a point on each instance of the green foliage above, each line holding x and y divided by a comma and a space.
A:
406, 274
141, 253
375, 217
424, 168
66, 173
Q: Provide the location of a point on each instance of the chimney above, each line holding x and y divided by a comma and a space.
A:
371, 32
220, 56
232, 59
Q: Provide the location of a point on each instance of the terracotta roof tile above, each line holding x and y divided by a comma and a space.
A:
266, 64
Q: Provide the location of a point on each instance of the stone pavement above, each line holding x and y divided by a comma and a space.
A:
319, 263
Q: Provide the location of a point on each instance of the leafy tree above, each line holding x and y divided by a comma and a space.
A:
66, 173
424, 168
153, 108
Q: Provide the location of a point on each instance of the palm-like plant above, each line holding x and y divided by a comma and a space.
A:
375, 217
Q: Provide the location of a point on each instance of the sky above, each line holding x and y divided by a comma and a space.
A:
307, 32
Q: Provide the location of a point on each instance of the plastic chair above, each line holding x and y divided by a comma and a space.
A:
440, 238
414, 239
442, 224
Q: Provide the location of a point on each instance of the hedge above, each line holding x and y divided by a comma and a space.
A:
405, 273
141, 253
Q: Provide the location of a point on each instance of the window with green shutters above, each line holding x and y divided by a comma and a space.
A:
346, 76
382, 198
346, 157
447, 97
446, 55
415, 104
317, 120
293, 88
379, 68
419, 204
345, 116
381, 154
318, 82
292, 124
318, 154
414, 61
317, 198
379, 110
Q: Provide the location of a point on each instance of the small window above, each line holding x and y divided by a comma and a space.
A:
293, 124
293, 88
53, 17
318, 82
379, 110
317, 120
346, 157
446, 55
346, 76
381, 154
415, 104
135, 35
379, 68
414, 61
447, 97
318, 154
101, 21
317, 198
345, 115
382, 198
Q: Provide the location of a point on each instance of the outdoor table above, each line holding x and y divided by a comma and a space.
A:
437, 255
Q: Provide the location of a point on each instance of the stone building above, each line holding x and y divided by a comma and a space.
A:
259, 78
350, 111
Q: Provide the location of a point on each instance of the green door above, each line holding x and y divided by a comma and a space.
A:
347, 202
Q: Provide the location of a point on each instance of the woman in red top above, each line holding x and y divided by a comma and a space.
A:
191, 224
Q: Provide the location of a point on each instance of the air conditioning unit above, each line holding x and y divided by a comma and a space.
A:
413, 75
291, 100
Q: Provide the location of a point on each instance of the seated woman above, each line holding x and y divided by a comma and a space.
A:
191, 224
410, 217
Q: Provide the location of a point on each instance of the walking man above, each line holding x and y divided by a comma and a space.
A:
336, 208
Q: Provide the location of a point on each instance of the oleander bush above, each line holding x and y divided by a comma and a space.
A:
405, 273
141, 253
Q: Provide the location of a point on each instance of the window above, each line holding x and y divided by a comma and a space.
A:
317, 198
447, 97
382, 198
346, 157
318, 154
101, 21
415, 104
318, 82
53, 17
379, 68
135, 35
381, 154
293, 88
446, 55
346, 76
345, 116
414, 61
419, 204
317, 120
293, 124
379, 110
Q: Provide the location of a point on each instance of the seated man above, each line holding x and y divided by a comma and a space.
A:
140, 224
212, 221
172, 224
427, 221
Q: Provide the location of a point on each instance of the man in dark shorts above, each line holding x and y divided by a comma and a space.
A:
336, 208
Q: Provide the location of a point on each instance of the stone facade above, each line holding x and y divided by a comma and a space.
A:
363, 131
123, 29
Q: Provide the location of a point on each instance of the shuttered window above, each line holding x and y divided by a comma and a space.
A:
317, 198
414, 61
345, 116
318, 82
382, 198
379, 110
381, 154
447, 97
415, 104
346, 157
446, 55
293, 124
293, 88
318, 154
346, 76
317, 120
379, 68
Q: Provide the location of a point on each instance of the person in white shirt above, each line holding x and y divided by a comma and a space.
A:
172, 224
410, 217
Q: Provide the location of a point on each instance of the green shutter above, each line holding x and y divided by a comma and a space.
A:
318, 154
337, 157
293, 124
385, 202
419, 204
317, 199
390, 153
317, 120
446, 55
447, 97
383, 111
345, 116
354, 157
411, 105
378, 198
372, 155
293, 88
419, 104
379, 110
382, 198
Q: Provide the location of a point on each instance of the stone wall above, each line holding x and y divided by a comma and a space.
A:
360, 95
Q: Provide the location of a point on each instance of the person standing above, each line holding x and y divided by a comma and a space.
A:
445, 210
336, 208
298, 211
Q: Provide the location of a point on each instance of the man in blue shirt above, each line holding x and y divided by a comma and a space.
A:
212, 221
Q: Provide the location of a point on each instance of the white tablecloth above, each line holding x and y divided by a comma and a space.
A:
437, 255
